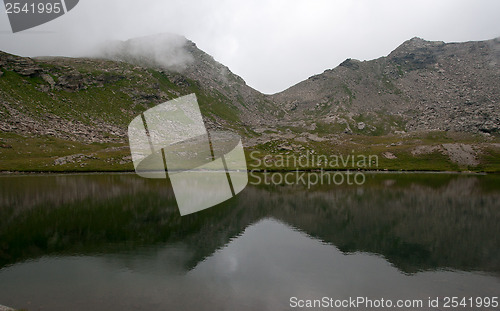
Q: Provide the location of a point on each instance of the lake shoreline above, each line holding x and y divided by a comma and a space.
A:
6, 173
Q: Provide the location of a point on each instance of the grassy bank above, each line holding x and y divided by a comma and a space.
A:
393, 153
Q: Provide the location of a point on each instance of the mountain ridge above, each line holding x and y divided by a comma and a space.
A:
427, 105
395, 83
196, 65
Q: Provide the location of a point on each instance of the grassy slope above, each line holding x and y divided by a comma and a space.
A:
114, 102
111, 101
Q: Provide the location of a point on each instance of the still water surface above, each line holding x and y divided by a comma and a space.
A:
117, 242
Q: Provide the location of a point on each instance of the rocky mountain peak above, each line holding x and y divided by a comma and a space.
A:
351, 63
416, 43
180, 58
425, 85
417, 51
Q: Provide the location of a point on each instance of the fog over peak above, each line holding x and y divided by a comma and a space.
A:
272, 44
165, 50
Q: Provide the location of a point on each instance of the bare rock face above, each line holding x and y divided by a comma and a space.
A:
47, 78
389, 155
461, 154
24, 66
73, 158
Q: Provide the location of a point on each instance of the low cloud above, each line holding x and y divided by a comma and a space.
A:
271, 44
167, 51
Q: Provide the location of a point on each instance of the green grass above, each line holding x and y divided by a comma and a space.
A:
490, 160
37, 154
113, 102
326, 128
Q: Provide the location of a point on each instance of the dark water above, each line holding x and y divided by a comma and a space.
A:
117, 242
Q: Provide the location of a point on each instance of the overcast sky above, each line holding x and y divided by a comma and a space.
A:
272, 44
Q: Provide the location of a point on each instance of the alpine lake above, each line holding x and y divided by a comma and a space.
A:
117, 242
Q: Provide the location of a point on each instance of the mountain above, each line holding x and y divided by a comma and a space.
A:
173, 54
426, 106
104, 94
421, 85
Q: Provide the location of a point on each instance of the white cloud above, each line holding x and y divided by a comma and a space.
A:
271, 44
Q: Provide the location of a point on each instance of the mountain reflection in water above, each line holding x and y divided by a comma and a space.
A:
99, 240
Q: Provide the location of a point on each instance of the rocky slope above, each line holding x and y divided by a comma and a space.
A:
421, 85
428, 105
93, 100
171, 53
